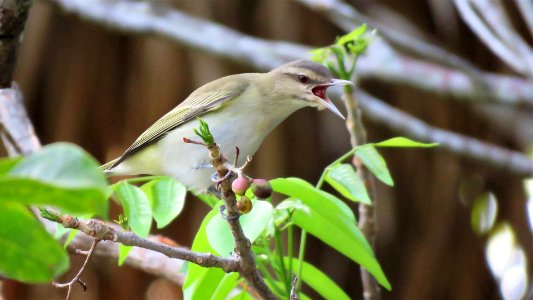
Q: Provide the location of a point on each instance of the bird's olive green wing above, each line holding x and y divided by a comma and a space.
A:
209, 97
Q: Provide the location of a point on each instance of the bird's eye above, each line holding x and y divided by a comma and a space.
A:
303, 78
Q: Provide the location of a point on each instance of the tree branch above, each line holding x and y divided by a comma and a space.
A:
148, 261
382, 61
101, 231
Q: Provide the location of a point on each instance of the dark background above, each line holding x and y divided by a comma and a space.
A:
100, 89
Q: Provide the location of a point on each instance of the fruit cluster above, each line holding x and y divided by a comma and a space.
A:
261, 189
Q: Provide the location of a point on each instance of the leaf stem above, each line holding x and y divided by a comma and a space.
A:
283, 270
290, 246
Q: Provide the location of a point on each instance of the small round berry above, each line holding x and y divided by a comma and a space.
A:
261, 188
240, 185
244, 205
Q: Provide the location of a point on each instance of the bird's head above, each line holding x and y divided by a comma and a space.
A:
307, 81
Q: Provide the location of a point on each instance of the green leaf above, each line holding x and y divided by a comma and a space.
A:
332, 207
404, 142
204, 133
60, 231
208, 199
60, 175
352, 36
167, 198
319, 55
62, 164
201, 282
123, 252
242, 295
253, 224
136, 207
330, 220
28, 253
345, 180
318, 281
225, 286
33, 192
348, 241
374, 162
70, 237
292, 204
7, 163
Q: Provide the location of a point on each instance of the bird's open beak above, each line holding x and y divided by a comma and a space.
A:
320, 91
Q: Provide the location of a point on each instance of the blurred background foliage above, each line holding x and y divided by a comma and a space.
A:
101, 88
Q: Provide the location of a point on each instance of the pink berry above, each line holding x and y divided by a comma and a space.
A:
240, 185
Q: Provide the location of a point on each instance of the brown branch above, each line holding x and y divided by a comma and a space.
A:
381, 62
146, 260
77, 278
100, 231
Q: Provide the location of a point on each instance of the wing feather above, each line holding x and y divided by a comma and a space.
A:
209, 97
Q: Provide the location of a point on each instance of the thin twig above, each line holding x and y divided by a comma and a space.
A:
77, 278
367, 214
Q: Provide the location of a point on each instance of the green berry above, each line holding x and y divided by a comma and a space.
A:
244, 205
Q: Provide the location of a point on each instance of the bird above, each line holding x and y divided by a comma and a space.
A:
241, 110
